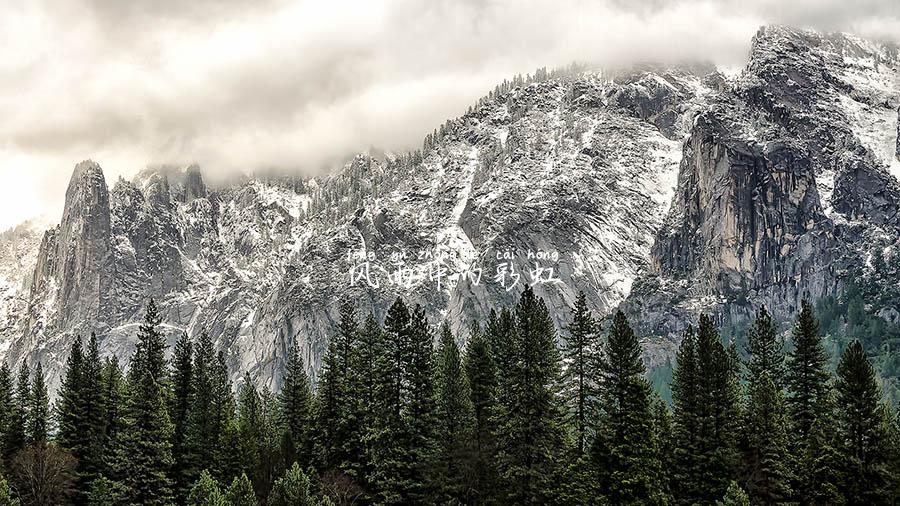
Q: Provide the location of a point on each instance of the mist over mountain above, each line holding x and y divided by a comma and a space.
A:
668, 190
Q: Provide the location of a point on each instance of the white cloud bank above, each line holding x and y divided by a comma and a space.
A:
245, 85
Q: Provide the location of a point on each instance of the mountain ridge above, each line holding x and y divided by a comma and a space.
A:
603, 170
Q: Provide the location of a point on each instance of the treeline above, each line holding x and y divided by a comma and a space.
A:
512, 419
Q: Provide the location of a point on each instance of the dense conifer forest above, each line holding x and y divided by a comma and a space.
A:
402, 415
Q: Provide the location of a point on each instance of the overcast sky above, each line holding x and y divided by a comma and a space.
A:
244, 85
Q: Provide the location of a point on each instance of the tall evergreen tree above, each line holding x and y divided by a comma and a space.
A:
807, 392
389, 431
224, 428
296, 404
206, 492
633, 465
686, 479
766, 454
765, 350
293, 489
481, 373
7, 407
531, 429
665, 442
112, 395
80, 414
333, 416
240, 493
706, 394
179, 407
861, 428
766, 459
454, 423
201, 433
38, 408
361, 383
419, 402
144, 443
16, 437
582, 359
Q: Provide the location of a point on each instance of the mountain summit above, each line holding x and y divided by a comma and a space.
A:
666, 190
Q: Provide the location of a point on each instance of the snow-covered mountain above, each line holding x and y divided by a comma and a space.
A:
666, 188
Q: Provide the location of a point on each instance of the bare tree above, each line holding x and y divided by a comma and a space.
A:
342, 489
44, 474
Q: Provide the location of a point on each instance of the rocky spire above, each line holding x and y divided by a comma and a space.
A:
77, 255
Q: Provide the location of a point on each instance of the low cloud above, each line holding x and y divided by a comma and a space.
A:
247, 85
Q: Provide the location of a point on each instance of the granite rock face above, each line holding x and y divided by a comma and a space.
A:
662, 190
785, 185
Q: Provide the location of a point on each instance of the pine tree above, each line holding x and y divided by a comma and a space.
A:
105, 492
766, 460
419, 410
686, 398
179, 406
70, 416
734, 496
224, 428
7, 498
7, 406
112, 394
361, 383
80, 414
765, 350
333, 417
581, 357
808, 389
240, 493
205, 492
481, 374
633, 465
665, 442
292, 490
822, 460
455, 423
766, 454
296, 405
389, 431
16, 437
531, 431
706, 394
144, 443
250, 425
861, 429
38, 408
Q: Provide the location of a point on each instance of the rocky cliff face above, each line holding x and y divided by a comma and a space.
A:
671, 189
784, 185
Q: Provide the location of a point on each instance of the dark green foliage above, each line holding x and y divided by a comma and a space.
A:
15, 437
419, 401
531, 423
80, 414
862, 430
389, 431
105, 492
7, 498
706, 396
38, 408
112, 395
734, 496
293, 489
454, 419
334, 418
765, 350
144, 442
665, 444
481, 374
767, 457
179, 407
629, 436
581, 354
296, 408
205, 492
240, 493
